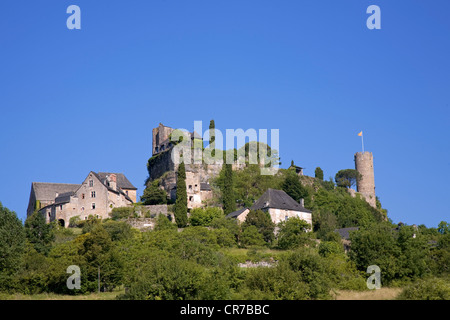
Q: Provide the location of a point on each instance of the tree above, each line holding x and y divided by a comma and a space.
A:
102, 258
263, 223
203, 217
39, 233
318, 173
293, 187
347, 178
163, 223
251, 237
212, 137
228, 197
293, 233
153, 194
180, 208
376, 245
444, 227
12, 241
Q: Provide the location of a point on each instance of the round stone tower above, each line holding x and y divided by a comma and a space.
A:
366, 185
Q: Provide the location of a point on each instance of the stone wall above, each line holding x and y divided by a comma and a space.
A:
141, 223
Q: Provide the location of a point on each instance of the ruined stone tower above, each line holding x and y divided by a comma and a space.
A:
366, 185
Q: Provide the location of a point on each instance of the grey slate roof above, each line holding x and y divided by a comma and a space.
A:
236, 213
205, 186
345, 232
48, 191
122, 181
277, 199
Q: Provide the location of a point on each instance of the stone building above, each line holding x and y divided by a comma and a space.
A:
366, 185
161, 166
279, 205
96, 196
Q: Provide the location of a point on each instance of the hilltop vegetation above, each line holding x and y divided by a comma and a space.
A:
201, 261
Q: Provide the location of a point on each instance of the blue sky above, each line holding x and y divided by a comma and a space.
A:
79, 100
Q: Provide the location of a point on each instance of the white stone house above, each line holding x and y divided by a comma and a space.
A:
279, 205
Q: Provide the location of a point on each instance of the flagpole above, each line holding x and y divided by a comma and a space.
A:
362, 141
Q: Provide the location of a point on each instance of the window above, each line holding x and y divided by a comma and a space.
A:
126, 192
91, 183
93, 205
191, 198
60, 207
190, 187
82, 196
93, 194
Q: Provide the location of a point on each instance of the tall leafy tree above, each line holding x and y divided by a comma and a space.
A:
318, 173
347, 178
293, 187
262, 221
39, 233
180, 208
293, 233
12, 241
212, 137
228, 197
153, 194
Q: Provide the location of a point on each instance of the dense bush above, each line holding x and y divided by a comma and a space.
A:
427, 289
204, 216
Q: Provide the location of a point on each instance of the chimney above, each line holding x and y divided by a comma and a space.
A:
112, 179
302, 202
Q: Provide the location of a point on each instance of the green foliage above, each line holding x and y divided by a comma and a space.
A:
180, 208
163, 223
324, 222
398, 254
228, 197
74, 221
292, 186
118, 230
12, 241
227, 223
347, 178
122, 213
318, 173
263, 223
292, 233
277, 283
212, 137
327, 248
313, 270
444, 227
204, 217
427, 289
39, 233
153, 194
251, 236
349, 211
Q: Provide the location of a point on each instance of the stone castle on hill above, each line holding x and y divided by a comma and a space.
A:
100, 192
161, 166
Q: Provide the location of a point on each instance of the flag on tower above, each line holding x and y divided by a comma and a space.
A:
362, 140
